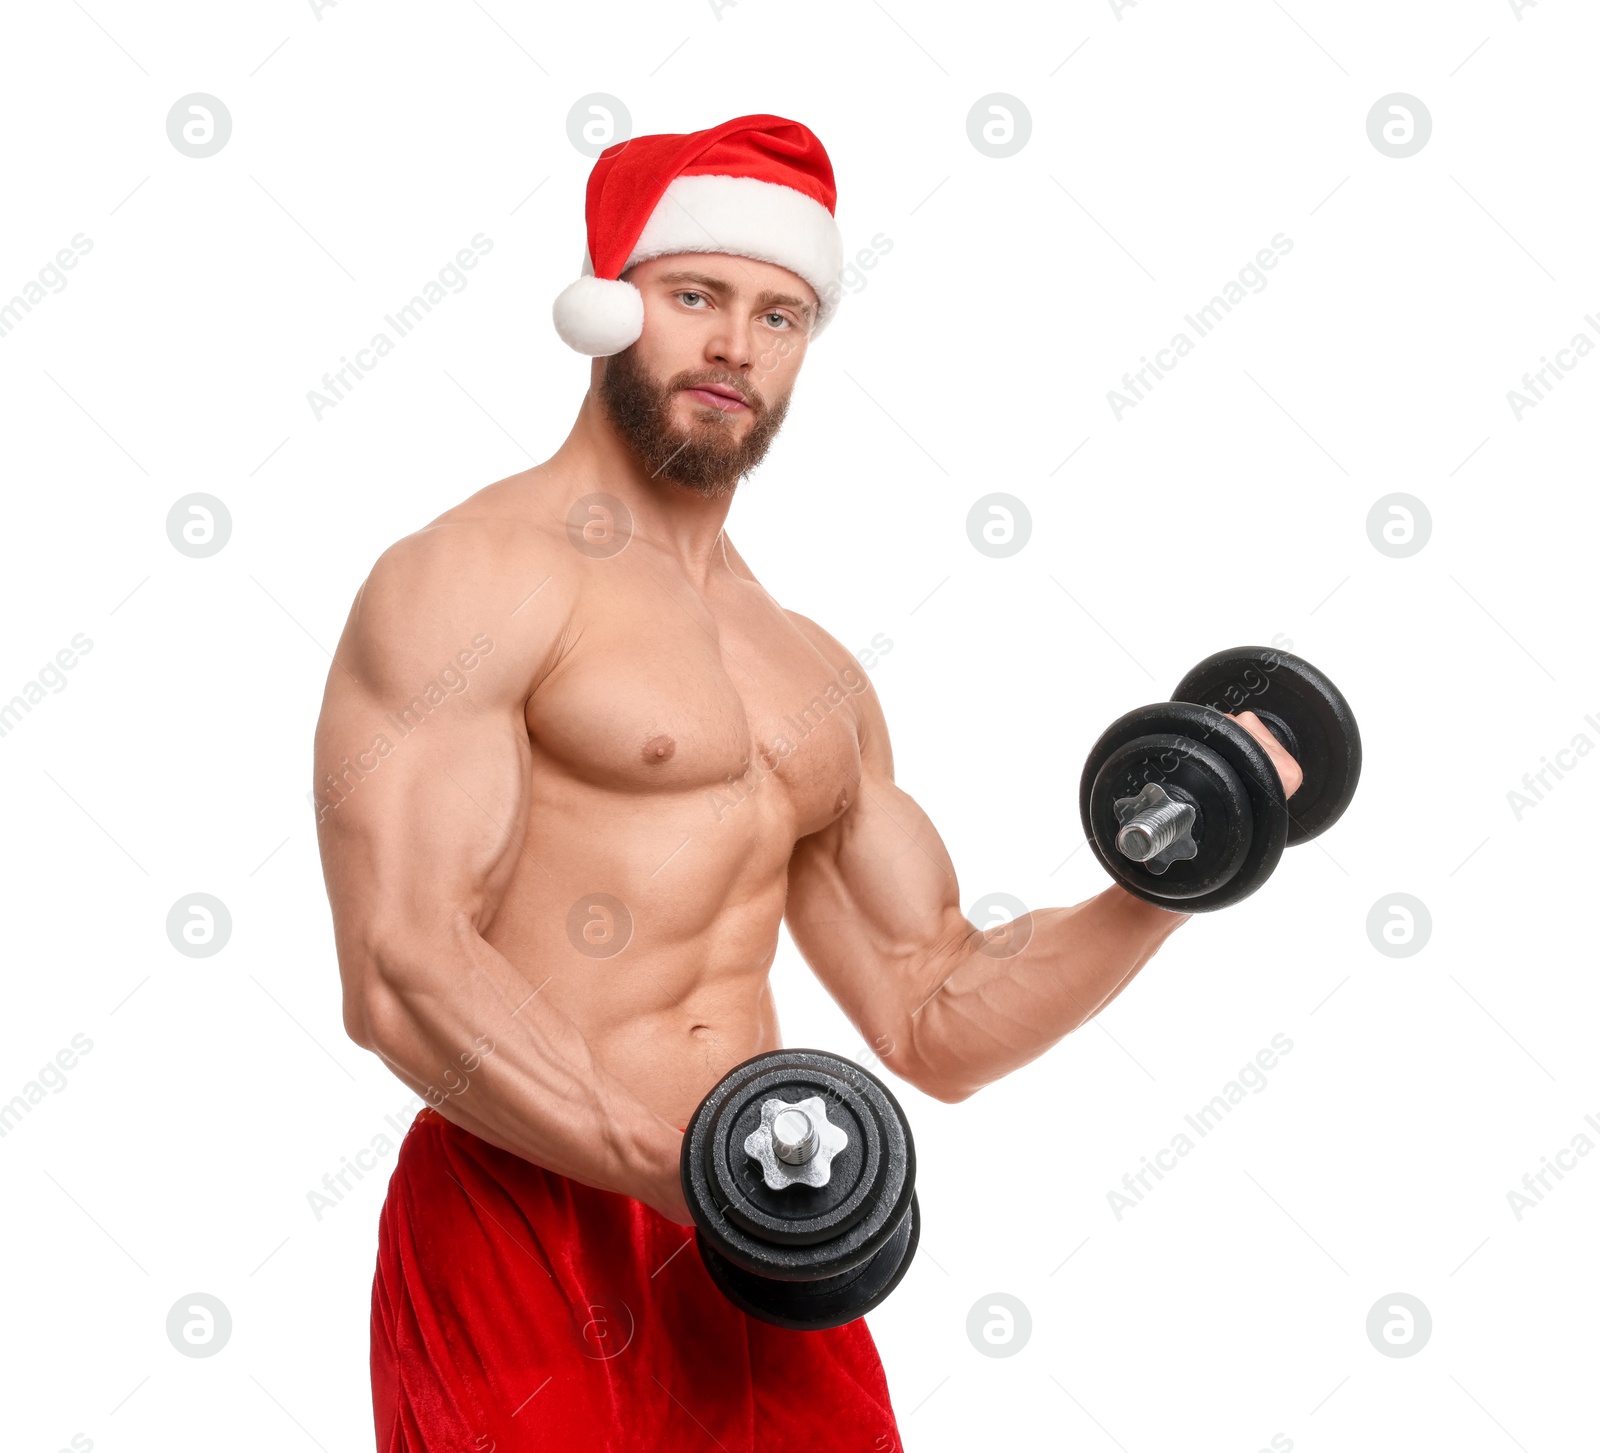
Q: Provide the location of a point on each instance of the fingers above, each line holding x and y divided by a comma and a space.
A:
1288, 769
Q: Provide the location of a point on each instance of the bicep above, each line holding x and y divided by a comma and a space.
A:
422, 763
419, 816
874, 908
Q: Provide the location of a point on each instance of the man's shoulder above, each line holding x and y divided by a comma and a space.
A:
828, 644
479, 550
465, 557
480, 568
832, 649
843, 663
872, 726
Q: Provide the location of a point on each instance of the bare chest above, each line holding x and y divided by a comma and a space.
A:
721, 709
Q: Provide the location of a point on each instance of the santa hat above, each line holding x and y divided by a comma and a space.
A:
756, 186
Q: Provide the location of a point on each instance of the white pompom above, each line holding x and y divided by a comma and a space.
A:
599, 316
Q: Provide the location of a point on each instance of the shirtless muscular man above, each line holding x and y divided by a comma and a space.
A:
550, 923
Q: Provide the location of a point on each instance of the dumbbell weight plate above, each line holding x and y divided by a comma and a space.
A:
1303, 709
1187, 771
811, 1306
1210, 761
798, 1233
797, 1215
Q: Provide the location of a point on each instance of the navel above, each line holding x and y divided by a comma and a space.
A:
658, 749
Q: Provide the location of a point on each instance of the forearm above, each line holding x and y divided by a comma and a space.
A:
535, 1088
986, 1007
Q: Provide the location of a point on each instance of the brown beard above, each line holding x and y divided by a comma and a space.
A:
707, 456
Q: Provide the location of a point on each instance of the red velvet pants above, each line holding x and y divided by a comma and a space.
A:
515, 1309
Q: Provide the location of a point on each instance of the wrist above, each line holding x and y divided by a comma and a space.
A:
661, 1185
1152, 917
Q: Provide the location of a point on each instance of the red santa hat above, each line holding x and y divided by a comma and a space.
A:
756, 186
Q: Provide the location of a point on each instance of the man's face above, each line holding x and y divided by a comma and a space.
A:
703, 392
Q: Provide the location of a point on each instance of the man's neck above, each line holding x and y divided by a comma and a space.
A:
682, 522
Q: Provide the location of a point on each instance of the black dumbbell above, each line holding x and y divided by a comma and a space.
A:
800, 1173
1183, 806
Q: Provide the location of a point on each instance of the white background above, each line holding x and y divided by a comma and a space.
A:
1169, 144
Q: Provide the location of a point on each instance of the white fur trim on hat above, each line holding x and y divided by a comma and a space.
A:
599, 316
741, 216
746, 217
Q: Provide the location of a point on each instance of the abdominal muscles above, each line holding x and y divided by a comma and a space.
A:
651, 923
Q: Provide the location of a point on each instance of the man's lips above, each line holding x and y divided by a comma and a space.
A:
717, 396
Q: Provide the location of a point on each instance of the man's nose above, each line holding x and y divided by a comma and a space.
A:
731, 345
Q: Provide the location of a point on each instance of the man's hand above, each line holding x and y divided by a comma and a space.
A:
1289, 772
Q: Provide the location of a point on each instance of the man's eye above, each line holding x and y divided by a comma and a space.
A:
782, 320
691, 295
